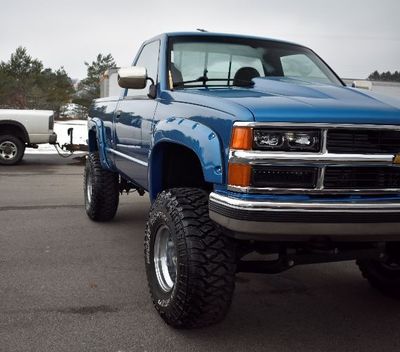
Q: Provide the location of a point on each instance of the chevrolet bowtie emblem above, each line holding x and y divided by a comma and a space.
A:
396, 159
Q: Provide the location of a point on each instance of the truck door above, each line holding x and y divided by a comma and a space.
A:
133, 121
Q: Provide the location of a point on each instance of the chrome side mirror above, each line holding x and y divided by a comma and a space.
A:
134, 77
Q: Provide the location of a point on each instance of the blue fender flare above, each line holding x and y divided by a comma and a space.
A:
200, 139
96, 141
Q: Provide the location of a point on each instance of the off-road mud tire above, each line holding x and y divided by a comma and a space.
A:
381, 277
206, 265
101, 202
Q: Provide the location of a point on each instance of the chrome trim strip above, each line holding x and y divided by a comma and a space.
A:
318, 190
324, 137
324, 150
320, 179
364, 207
295, 158
128, 146
137, 161
316, 125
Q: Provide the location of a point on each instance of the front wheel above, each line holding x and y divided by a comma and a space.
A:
384, 275
190, 263
11, 150
101, 189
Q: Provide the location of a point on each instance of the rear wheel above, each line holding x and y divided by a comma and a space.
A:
190, 263
101, 189
11, 150
384, 275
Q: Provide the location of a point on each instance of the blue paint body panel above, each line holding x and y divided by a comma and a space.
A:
271, 100
195, 136
201, 119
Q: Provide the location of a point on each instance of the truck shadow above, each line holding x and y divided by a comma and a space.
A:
312, 308
39, 160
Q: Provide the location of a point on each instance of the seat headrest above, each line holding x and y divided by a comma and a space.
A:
244, 75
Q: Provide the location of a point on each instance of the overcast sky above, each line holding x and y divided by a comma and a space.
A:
355, 37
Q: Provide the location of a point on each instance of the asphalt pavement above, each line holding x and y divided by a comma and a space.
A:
69, 284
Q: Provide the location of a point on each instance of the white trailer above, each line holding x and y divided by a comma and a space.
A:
109, 83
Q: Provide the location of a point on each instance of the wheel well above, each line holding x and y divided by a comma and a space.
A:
93, 147
177, 166
14, 129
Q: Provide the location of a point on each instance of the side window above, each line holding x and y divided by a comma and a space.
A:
148, 58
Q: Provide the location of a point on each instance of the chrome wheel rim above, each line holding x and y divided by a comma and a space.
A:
8, 150
391, 266
89, 187
165, 259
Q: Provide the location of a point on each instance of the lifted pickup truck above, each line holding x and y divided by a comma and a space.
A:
20, 129
256, 158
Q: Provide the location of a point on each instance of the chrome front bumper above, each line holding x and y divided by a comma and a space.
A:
287, 221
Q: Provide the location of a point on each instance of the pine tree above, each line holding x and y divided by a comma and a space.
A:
89, 88
25, 84
374, 76
385, 76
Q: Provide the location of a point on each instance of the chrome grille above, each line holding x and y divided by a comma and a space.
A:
362, 177
354, 159
363, 141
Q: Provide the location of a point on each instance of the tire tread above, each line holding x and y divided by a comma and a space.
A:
105, 194
207, 287
373, 272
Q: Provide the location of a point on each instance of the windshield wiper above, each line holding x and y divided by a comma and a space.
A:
204, 80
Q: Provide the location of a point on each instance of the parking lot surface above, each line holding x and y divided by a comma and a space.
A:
69, 284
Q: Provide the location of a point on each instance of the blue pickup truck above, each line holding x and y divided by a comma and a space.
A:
256, 158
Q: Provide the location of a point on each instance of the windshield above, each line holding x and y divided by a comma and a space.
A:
221, 61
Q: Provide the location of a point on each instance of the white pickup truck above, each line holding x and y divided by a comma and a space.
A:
20, 129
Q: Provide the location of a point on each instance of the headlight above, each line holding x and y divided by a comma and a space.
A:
286, 140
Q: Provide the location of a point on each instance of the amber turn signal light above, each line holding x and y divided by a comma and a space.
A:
242, 138
239, 175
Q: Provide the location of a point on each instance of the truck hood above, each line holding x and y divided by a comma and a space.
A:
276, 100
